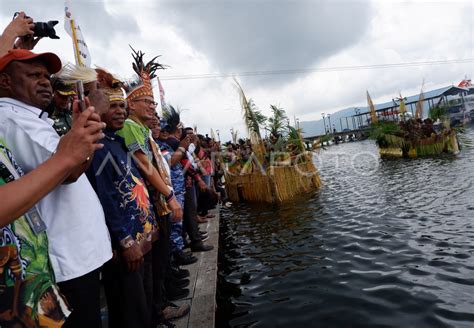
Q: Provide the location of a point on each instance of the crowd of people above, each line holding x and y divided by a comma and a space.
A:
110, 193
241, 157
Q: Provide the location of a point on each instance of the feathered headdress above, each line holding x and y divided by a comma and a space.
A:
71, 73
112, 86
172, 118
141, 86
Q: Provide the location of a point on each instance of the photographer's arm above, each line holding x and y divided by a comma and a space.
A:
20, 26
20, 195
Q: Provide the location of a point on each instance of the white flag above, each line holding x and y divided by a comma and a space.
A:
81, 52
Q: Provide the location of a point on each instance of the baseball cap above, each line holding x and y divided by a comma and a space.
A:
62, 88
53, 63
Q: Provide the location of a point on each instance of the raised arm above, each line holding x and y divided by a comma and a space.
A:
73, 149
18, 27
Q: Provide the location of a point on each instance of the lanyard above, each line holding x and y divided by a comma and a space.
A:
33, 216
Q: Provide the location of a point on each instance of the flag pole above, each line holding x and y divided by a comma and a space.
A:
75, 44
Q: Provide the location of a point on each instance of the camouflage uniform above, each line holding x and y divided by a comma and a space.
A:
62, 121
62, 117
177, 179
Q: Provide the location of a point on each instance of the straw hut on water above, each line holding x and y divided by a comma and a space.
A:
411, 136
278, 168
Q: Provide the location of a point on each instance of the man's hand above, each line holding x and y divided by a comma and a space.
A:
76, 111
27, 42
80, 143
194, 139
202, 185
133, 257
20, 26
176, 210
185, 142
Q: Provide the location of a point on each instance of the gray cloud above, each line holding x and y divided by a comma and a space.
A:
241, 36
95, 21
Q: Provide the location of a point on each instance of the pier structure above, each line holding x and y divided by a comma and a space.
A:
359, 123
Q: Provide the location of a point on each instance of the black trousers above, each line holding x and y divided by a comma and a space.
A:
161, 253
83, 295
206, 201
127, 301
190, 225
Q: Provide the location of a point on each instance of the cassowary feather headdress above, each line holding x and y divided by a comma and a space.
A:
172, 119
141, 86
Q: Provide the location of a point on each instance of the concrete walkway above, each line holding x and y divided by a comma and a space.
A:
203, 282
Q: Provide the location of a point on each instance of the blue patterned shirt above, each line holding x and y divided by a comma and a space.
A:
122, 193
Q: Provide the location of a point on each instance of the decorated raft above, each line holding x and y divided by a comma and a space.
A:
278, 169
396, 146
273, 185
412, 137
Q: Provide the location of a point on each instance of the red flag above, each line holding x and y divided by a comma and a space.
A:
162, 93
464, 83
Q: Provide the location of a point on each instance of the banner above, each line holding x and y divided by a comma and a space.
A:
162, 94
81, 52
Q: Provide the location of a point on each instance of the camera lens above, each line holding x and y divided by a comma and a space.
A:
42, 29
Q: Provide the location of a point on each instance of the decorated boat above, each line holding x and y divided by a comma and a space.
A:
271, 170
413, 136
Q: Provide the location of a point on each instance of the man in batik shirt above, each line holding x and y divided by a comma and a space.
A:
129, 216
154, 170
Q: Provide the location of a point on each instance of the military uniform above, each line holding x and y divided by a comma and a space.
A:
62, 117
177, 179
62, 121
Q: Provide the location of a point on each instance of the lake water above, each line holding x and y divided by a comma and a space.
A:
384, 243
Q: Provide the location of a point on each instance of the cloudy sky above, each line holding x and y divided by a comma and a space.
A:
258, 40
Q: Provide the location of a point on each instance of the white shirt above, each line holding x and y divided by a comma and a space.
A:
166, 164
79, 241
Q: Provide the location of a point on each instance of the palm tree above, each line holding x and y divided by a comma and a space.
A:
253, 118
276, 124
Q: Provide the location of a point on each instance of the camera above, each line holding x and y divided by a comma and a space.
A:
42, 29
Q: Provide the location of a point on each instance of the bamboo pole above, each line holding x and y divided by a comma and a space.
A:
75, 44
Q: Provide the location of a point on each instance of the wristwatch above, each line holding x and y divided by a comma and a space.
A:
182, 149
170, 196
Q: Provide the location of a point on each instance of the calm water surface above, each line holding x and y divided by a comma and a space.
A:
384, 243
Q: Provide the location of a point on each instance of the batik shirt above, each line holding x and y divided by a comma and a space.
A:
176, 171
122, 193
137, 137
25, 261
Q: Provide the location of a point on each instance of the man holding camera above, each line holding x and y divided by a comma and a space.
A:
18, 34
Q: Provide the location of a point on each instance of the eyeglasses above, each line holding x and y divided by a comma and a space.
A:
148, 102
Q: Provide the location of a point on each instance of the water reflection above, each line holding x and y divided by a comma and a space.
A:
391, 248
